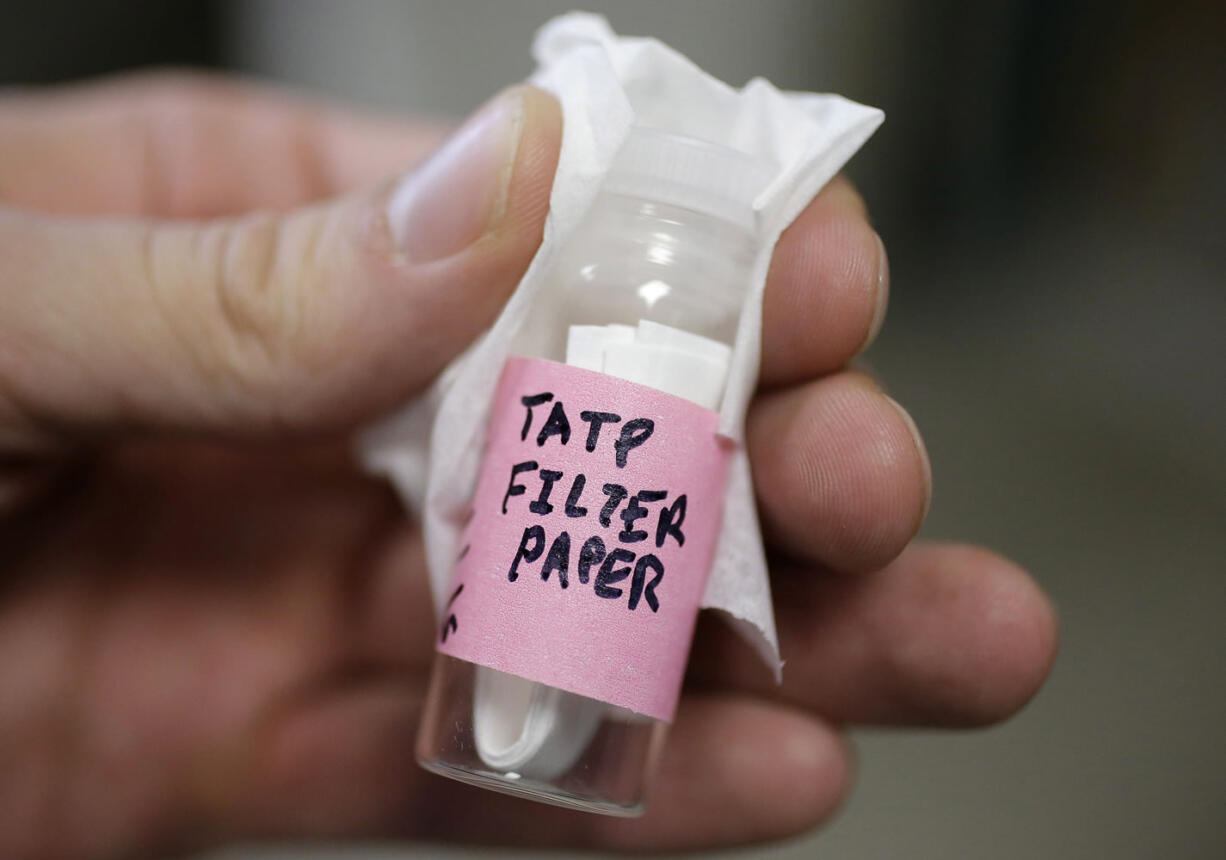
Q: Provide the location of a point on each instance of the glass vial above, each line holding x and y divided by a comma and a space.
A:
662, 262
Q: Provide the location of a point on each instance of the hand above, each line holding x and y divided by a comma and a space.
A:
213, 627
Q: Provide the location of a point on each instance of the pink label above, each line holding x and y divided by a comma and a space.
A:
591, 534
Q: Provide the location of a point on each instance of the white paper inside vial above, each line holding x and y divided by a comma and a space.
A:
605, 84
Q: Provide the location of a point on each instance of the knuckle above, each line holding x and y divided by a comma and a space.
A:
251, 306
223, 303
257, 307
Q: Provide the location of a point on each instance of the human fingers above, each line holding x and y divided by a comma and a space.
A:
947, 635
308, 321
735, 770
189, 145
826, 290
841, 474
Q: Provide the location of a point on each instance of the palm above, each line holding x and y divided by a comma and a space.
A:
195, 600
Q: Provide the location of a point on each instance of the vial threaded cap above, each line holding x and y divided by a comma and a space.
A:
689, 172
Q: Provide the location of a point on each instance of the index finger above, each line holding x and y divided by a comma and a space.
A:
186, 145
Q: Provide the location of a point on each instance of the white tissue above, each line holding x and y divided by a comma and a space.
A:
432, 450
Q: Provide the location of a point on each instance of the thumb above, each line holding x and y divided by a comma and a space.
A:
306, 321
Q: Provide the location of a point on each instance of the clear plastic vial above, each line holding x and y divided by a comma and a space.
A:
665, 252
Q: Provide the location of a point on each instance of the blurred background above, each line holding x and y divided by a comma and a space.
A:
1050, 184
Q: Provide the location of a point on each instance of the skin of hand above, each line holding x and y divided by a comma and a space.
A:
213, 627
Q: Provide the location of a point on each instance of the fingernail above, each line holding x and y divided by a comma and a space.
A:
922, 450
882, 296
460, 193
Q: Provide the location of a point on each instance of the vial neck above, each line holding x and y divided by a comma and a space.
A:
674, 233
